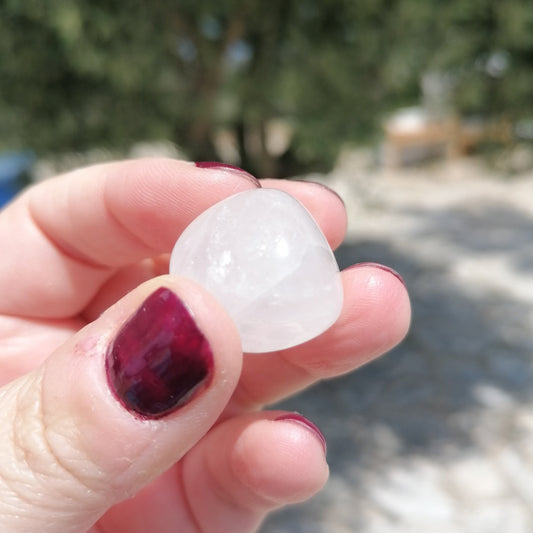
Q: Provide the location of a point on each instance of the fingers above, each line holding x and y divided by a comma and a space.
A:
114, 407
375, 317
73, 232
26, 343
256, 464
240, 471
325, 206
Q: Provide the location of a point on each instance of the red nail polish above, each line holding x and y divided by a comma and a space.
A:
159, 357
322, 186
381, 267
230, 168
299, 419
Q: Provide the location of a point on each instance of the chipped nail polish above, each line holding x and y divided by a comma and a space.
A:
230, 168
299, 419
381, 267
159, 357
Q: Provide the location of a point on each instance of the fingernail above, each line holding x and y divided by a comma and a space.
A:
299, 419
381, 267
159, 358
325, 187
229, 168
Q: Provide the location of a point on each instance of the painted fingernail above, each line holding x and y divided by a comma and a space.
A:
381, 267
229, 168
325, 187
310, 426
159, 357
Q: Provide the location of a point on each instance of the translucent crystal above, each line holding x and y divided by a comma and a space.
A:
262, 255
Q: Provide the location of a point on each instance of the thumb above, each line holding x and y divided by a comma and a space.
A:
114, 407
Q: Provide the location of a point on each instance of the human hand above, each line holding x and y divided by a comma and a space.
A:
83, 255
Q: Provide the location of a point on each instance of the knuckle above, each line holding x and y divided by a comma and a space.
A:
43, 468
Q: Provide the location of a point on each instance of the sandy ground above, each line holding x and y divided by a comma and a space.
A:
438, 435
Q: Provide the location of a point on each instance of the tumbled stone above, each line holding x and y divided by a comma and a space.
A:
262, 255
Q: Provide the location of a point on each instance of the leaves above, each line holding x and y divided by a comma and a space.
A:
103, 73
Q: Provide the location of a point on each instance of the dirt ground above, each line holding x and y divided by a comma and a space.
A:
437, 436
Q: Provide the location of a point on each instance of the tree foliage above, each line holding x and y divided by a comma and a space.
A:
102, 73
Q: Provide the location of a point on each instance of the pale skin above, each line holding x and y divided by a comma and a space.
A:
80, 253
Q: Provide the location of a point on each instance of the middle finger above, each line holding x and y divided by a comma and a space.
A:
375, 317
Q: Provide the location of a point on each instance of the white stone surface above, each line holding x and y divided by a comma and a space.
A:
261, 254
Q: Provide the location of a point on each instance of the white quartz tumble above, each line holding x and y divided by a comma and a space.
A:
262, 255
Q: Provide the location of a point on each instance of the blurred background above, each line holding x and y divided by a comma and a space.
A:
420, 114
277, 87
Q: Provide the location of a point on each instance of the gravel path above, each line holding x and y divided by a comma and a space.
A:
438, 435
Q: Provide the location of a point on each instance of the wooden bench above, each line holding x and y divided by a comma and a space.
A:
411, 135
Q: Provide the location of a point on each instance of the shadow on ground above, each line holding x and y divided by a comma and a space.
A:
467, 352
484, 228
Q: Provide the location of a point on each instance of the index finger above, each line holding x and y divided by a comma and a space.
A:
62, 239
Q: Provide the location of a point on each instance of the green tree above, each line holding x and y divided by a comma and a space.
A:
101, 73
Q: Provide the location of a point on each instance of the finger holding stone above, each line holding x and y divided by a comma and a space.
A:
116, 405
75, 231
375, 318
262, 255
321, 202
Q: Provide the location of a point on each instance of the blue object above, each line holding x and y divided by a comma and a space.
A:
13, 168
